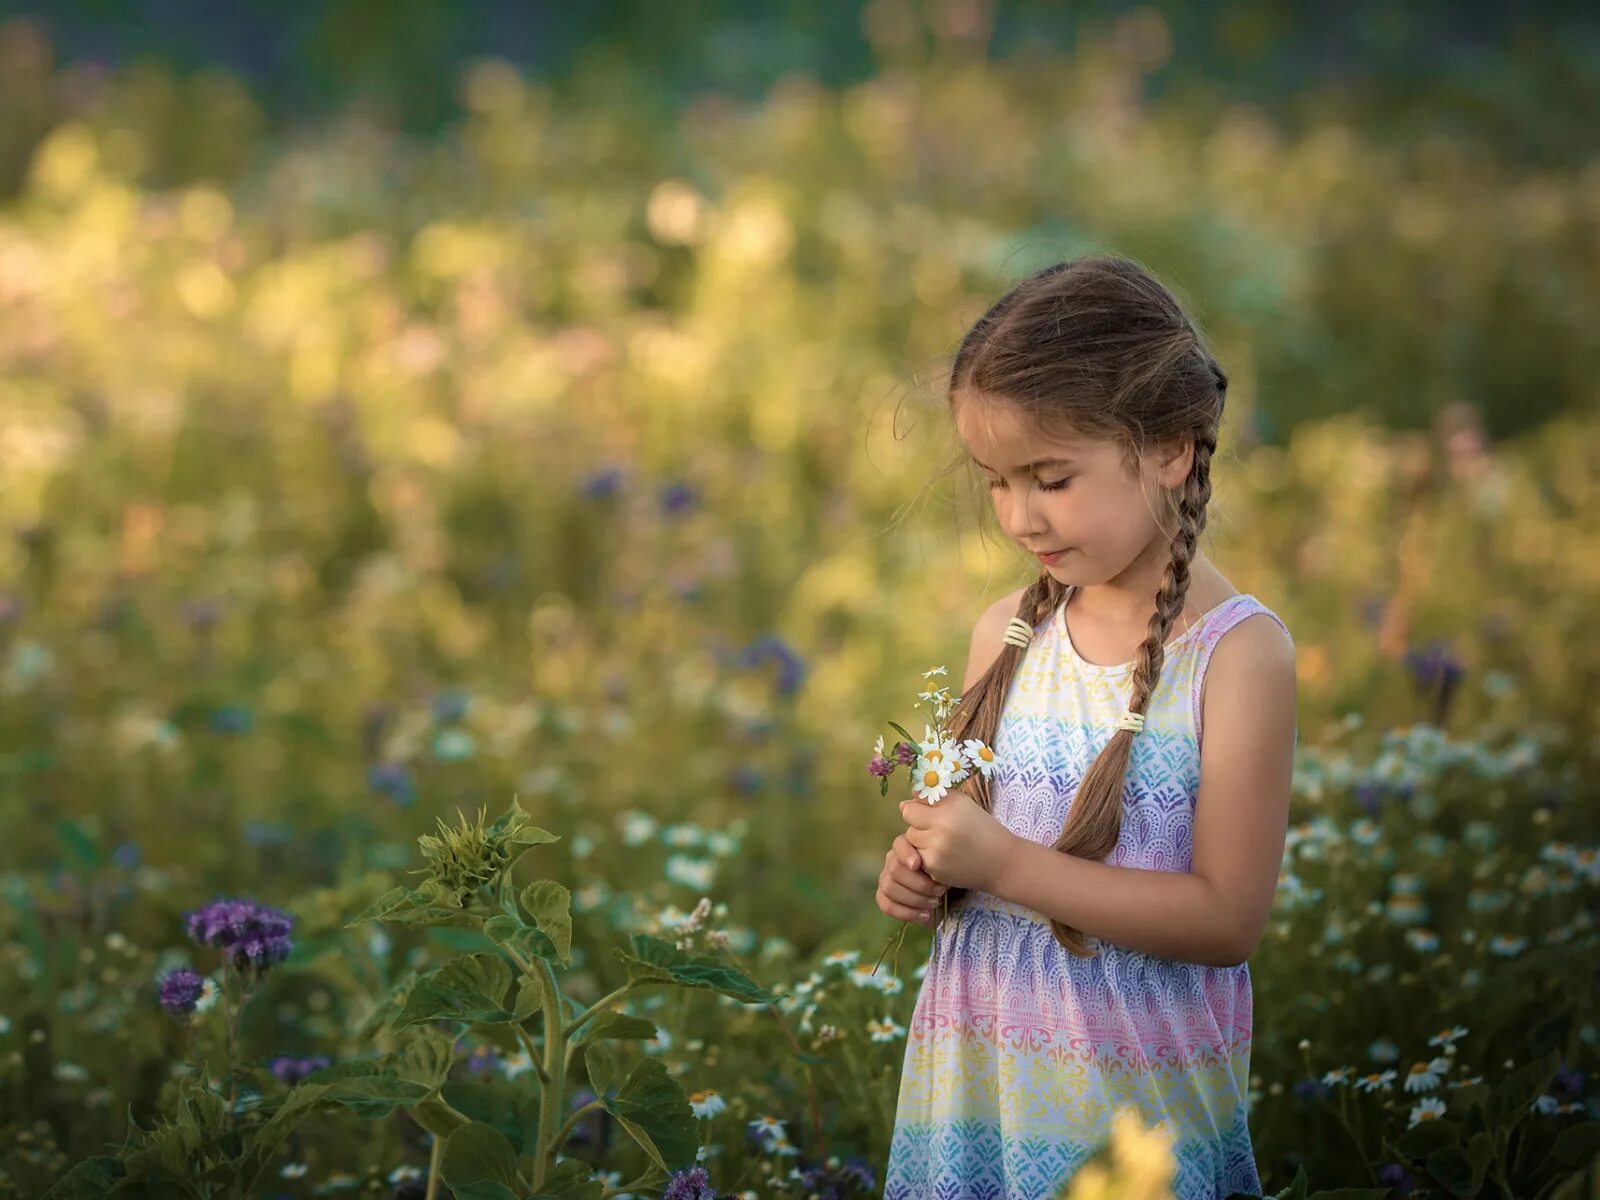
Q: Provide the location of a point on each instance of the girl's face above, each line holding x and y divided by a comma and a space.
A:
1074, 495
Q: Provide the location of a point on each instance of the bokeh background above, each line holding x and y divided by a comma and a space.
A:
407, 406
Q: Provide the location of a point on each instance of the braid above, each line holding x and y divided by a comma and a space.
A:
1094, 821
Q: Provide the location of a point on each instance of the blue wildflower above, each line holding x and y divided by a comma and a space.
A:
693, 1184
791, 667
678, 497
126, 855
836, 1181
451, 705
392, 780
232, 718
252, 936
599, 484
181, 991
1436, 673
290, 1070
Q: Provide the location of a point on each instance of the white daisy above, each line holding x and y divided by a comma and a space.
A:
1448, 1037
841, 958
707, 1104
980, 756
292, 1170
935, 671
877, 746
1337, 1076
1430, 1109
1376, 1081
885, 1030
1421, 1078
933, 780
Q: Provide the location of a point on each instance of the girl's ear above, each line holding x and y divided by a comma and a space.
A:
1174, 460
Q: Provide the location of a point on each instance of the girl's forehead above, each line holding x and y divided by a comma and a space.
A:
1001, 436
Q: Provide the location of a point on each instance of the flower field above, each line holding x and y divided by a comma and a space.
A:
448, 588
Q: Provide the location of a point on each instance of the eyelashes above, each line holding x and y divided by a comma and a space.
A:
1043, 486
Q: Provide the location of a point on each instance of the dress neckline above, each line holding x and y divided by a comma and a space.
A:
1083, 664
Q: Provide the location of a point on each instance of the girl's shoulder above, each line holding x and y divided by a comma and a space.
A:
988, 636
1248, 660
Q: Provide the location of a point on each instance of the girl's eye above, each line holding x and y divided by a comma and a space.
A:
1043, 486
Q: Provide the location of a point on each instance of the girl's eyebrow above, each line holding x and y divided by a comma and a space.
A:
1038, 462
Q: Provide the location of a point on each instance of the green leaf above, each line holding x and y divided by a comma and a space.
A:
655, 1111
1472, 1096
425, 1061
471, 988
479, 1164
507, 1106
614, 1026
402, 906
1457, 1170
265, 1140
572, 1179
77, 839
1427, 1138
601, 1065
1297, 1189
550, 906
527, 941
91, 1179
1513, 1097
1577, 1144
658, 961
370, 1088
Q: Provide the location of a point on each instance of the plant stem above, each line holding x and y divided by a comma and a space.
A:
533, 1055
639, 1183
599, 1005
794, 1044
566, 1130
552, 1098
433, 1168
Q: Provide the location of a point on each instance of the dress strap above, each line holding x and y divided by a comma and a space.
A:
1227, 615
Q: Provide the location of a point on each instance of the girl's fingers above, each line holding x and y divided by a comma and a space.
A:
909, 897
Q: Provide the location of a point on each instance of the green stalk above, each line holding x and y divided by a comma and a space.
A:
551, 1099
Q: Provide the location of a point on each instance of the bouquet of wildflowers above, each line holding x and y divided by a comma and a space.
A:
937, 764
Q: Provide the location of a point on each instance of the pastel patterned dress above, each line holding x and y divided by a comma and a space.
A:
1019, 1052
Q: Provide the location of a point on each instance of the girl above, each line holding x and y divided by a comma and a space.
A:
1105, 897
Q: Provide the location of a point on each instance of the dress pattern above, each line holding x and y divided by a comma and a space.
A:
1018, 1052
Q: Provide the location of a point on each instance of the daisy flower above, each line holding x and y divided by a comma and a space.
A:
863, 977
1421, 1078
935, 671
1430, 1109
1337, 1076
841, 958
1376, 1082
933, 779
980, 756
707, 1104
885, 1030
1448, 1037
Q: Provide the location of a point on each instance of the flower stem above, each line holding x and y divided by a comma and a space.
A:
433, 1167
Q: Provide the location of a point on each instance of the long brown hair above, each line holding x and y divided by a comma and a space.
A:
1095, 346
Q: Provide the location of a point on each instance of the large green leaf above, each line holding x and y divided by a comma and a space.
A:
655, 1111
655, 960
266, 1138
479, 1164
1578, 1144
1513, 1096
615, 1026
572, 1179
527, 941
402, 906
1427, 1138
550, 907
510, 1107
470, 987
91, 1179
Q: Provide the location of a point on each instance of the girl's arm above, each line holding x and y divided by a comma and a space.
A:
1216, 911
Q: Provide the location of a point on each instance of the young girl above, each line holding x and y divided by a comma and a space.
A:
1105, 897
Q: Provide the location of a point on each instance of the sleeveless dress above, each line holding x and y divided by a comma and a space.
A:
1020, 1052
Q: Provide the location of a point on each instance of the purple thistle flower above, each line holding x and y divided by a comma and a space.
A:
252, 936
677, 497
181, 991
905, 754
880, 766
290, 1070
1396, 1176
693, 1184
1436, 673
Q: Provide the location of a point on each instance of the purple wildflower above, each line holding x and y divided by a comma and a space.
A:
693, 1184
252, 936
603, 482
392, 780
836, 1181
1310, 1089
746, 780
200, 614
450, 706
677, 497
290, 1070
1394, 1175
905, 754
791, 667
181, 991
1370, 796
880, 766
232, 718
1436, 673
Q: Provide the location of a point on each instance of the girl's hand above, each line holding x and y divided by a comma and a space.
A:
905, 892
961, 844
